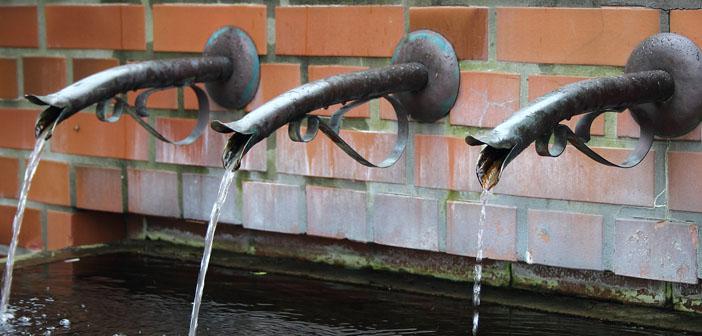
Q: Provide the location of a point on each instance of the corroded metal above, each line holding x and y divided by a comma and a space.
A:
423, 82
661, 87
223, 66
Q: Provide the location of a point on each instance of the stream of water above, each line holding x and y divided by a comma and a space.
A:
478, 269
32, 165
209, 239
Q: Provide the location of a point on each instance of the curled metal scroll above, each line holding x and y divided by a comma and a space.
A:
331, 130
139, 111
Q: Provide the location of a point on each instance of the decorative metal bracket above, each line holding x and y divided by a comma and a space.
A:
229, 68
422, 82
661, 87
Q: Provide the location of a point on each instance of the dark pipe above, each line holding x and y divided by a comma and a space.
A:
111, 82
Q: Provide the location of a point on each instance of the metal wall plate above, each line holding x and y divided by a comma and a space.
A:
682, 59
436, 99
240, 88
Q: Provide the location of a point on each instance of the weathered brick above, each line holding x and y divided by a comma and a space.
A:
205, 151
574, 176
656, 250
30, 233
9, 181
465, 27
99, 188
528, 34
276, 78
66, 229
444, 162
687, 297
371, 31
274, 207
485, 99
18, 131
199, 194
44, 75
163, 99
114, 26
317, 72
51, 184
8, 78
627, 127
84, 67
405, 221
684, 184
84, 134
322, 158
499, 230
687, 22
540, 85
336, 213
187, 27
565, 239
18, 27
153, 192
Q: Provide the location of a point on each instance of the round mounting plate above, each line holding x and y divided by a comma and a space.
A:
682, 59
436, 99
240, 88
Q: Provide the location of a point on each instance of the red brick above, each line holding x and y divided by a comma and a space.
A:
66, 229
187, 27
19, 26
190, 100
44, 75
348, 220
276, 78
405, 221
573, 176
371, 31
688, 23
444, 162
499, 234
153, 192
30, 233
199, 194
18, 131
84, 134
205, 151
565, 239
656, 250
9, 180
99, 188
540, 85
8, 78
317, 72
627, 127
84, 67
164, 99
485, 99
274, 207
322, 158
51, 184
465, 27
598, 36
684, 184
117, 26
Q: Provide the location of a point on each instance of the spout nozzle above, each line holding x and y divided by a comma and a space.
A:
491, 162
49, 118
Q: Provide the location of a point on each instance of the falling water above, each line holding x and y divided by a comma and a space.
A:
209, 238
478, 270
17, 225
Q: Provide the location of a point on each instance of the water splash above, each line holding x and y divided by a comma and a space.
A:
32, 165
224, 187
478, 269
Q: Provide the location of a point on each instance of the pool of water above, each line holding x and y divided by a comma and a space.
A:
130, 294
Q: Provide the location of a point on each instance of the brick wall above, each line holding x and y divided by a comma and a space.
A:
567, 212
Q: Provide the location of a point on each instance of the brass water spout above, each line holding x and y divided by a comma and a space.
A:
422, 82
229, 68
662, 87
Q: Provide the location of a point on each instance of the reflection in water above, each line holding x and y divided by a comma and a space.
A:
126, 294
